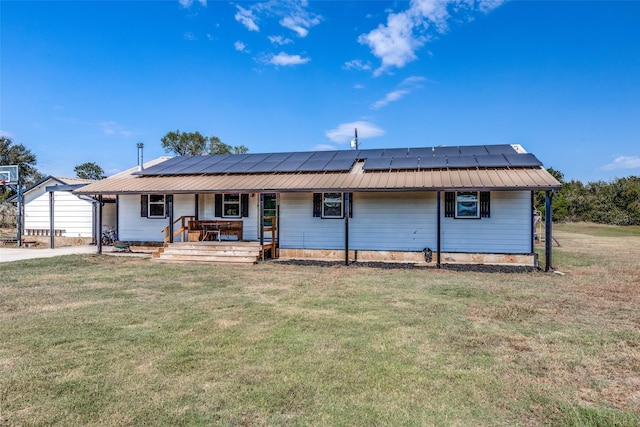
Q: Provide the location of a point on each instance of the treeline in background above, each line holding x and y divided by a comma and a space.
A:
616, 202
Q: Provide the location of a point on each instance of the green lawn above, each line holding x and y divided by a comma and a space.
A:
100, 340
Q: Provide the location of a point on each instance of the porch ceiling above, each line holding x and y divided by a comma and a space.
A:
534, 178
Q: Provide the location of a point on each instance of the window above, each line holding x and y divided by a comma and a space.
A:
467, 204
231, 205
156, 206
332, 205
153, 206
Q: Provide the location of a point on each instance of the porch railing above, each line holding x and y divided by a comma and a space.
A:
181, 230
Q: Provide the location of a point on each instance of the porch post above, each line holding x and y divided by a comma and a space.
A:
261, 219
99, 239
548, 238
533, 225
346, 228
170, 213
52, 243
438, 231
197, 206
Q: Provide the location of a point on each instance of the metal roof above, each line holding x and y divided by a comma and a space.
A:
490, 167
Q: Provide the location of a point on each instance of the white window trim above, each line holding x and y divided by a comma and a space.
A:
341, 197
459, 200
163, 203
225, 203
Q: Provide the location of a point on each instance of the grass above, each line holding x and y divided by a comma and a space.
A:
100, 340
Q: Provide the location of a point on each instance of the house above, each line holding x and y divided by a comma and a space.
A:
470, 204
51, 209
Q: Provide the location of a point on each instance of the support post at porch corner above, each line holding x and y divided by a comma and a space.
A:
346, 228
261, 210
548, 237
52, 239
438, 231
170, 206
99, 239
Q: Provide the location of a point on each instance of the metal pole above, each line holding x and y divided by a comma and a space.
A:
438, 237
99, 240
19, 215
548, 238
261, 219
52, 240
346, 228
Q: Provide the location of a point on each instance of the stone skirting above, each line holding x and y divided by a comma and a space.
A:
529, 260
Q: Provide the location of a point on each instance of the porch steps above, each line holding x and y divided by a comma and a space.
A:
212, 252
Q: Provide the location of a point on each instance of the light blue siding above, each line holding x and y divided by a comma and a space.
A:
508, 230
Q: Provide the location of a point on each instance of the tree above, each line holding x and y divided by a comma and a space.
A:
185, 143
218, 147
18, 154
89, 170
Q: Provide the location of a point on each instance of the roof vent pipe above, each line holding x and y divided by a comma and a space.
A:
140, 161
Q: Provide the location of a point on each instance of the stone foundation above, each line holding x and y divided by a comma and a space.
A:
529, 260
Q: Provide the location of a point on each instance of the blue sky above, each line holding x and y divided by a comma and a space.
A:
85, 81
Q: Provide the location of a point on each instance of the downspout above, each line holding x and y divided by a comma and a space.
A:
95, 231
52, 243
117, 217
438, 265
548, 238
346, 228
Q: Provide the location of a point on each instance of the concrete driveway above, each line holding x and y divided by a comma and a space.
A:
17, 254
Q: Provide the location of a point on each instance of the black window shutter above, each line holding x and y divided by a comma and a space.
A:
218, 205
485, 204
350, 205
244, 204
317, 204
144, 205
449, 204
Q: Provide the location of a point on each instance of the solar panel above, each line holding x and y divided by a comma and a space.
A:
461, 161
313, 165
395, 152
404, 163
446, 151
420, 152
526, 159
468, 150
500, 149
339, 165
377, 163
433, 162
492, 160
369, 154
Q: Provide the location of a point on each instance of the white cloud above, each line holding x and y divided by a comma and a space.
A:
189, 36
240, 46
6, 134
293, 15
396, 43
113, 128
359, 86
404, 88
390, 97
285, 59
356, 64
623, 162
280, 40
323, 147
188, 3
247, 18
345, 132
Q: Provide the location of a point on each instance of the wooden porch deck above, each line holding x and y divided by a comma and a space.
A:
223, 252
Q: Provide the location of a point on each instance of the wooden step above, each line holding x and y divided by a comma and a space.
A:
212, 252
